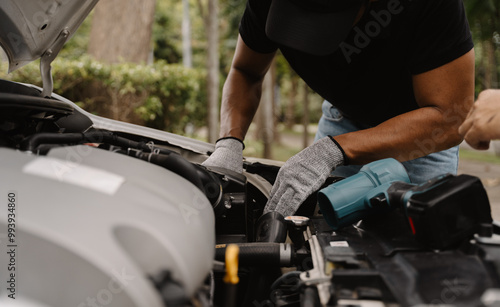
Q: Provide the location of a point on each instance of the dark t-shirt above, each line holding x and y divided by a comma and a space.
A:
369, 78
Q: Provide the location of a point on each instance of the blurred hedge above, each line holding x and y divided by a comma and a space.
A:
162, 96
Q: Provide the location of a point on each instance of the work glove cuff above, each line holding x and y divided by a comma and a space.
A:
345, 160
231, 138
327, 153
228, 154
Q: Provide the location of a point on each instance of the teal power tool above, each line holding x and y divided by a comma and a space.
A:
440, 212
359, 196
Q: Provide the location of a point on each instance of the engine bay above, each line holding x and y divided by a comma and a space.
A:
125, 216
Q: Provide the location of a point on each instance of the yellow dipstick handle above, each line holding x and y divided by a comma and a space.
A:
232, 253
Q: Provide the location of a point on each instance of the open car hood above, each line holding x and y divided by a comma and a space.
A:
29, 28
33, 29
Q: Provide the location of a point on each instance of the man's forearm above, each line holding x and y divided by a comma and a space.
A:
405, 137
240, 100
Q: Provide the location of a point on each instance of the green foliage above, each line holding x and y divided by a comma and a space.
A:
77, 45
484, 16
280, 152
160, 95
231, 12
475, 155
167, 31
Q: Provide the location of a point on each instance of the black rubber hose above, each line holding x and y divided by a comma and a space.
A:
231, 295
109, 137
309, 298
260, 254
176, 164
211, 183
289, 278
271, 227
34, 141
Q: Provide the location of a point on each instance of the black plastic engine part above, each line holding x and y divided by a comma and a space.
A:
233, 211
76, 122
297, 225
393, 268
268, 172
15, 104
261, 254
444, 212
20, 101
170, 290
23, 112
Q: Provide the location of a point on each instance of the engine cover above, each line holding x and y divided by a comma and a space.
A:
101, 225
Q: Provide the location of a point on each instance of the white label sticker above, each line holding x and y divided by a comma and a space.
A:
76, 174
339, 243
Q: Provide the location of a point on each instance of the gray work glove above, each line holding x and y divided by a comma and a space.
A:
228, 154
302, 175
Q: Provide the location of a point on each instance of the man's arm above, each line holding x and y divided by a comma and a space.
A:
444, 95
242, 90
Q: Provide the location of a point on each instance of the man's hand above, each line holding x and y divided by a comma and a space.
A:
228, 154
302, 175
483, 121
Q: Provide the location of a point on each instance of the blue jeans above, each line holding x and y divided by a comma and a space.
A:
419, 170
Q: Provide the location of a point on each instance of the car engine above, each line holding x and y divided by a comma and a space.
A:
102, 213
97, 212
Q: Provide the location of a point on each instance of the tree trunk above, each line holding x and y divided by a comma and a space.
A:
266, 122
492, 63
186, 36
276, 102
305, 118
290, 109
213, 82
121, 31
490, 68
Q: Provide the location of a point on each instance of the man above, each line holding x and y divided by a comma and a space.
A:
397, 77
483, 121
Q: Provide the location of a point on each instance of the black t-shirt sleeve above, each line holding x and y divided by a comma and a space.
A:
253, 25
442, 34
